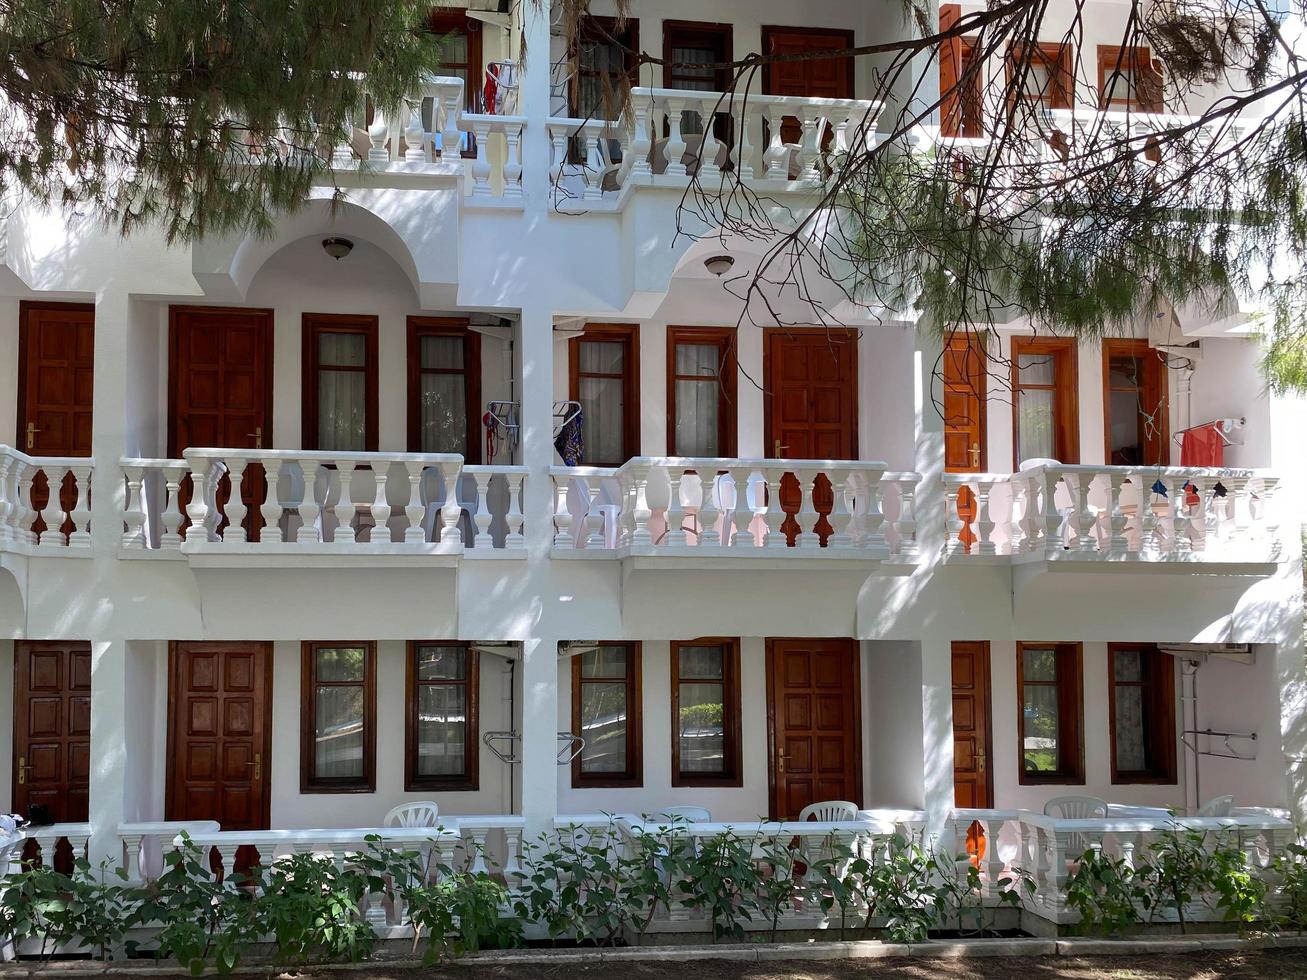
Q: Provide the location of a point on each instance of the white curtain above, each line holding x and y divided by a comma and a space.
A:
1128, 671
699, 80
603, 402
1035, 408
342, 395
697, 402
443, 397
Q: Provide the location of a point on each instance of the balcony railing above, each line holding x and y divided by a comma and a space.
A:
737, 508
1114, 513
45, 502
650, 144
299, 502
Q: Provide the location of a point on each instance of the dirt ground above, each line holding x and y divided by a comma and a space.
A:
1283, 964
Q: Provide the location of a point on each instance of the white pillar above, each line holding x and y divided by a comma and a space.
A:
109, 748
534, 105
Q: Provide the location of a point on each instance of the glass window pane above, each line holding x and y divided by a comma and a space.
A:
342, 411
697, 424
1131, 754
444, 353
603, 402
453, 50
1035, 369
606, 662
442, 410
1039, 752
603, 726
342, 350
339, 663
1039, 665
1123, 372
1124, 415
437, 663
1034, 425
702, 728
1038, 81
698, 359
701, 663
338, 741
442, 730
1128, 665
602, 357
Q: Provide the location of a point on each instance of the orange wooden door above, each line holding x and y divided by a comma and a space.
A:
57, 342
220, 733
816, 78
811, 409
814, 717
220, 392
973, 781
52, 727
964, 418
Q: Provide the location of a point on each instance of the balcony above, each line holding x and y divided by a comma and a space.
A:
757, 513
269, 508
34, 521
1087, 517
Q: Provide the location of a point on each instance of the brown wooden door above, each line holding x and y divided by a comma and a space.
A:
55, 380
811, 409
813, 716
220, 391
220, 727
817, 78
964, 418
52, 727
972, 779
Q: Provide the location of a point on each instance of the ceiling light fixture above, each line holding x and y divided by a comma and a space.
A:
718, 265
337, 248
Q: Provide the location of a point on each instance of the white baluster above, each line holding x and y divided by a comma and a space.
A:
483, 516
1047, 484
873, 516
984, 524
344, 510
309, 532
379, 137
742, 152
1117, 544
562, 515
675, 510
676, 145
133, 505
450, 538
481, 167
810, 153
775, 514
843, 483
271, 510
235, 530
134, 857
741, 514
709, 148
807, 517
415, 510
415, 150
907, 522
640, 506
593, 173
710, 535
52, 513
513, 162
197, 508
1181, 539
80, 515
26, 518
640, 141
380, 506
514, 538
776, 156
173, 475
953, 544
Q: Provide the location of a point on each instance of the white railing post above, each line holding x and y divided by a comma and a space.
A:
197, 508
675, 513
514, 538
775, 514
741, 513
79, 535
513, 161
481, 166
133, 504
675, 146
271, 533
308, 532
1117, 544
640, 505
173, 474
414, 511
343, 511
450, 538
710, 534
984, 525
562, 515
807, 517
235, 530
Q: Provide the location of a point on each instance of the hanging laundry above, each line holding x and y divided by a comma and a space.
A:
570, 442
1203, 445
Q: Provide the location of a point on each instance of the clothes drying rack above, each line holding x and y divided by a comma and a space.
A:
565, 412
502, 427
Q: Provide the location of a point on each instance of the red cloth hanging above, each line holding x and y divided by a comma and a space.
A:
1203, 445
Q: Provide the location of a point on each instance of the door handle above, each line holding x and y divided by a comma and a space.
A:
975, 454
258, 767
22, 770
257, 436
32, 430
780, 760
980, 762
779, 449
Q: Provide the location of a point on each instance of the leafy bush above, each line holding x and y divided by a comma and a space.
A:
1105, 894
1290, 870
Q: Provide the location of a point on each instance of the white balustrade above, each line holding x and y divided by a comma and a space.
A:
1113, 513
146, 843
588, 508
62, 524
494, 511
47, 840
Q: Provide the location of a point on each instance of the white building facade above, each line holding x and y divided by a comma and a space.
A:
315, 550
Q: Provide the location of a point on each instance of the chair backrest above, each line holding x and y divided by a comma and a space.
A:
1076, 807
1217, 806
422, 813
829, 811
690, 814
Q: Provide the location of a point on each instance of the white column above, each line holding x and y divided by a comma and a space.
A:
534, 105
109, 748
937, 734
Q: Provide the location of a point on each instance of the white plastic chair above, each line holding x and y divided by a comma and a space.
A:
1076, 808
690, 814
1217, 806
829, 811
420, 813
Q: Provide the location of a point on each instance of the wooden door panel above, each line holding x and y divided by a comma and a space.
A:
220, 731
813, 722
830, 78
971, 736
52, 727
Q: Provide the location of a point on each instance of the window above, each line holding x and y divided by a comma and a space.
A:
604, 55
1049, 74
700, 391
606, 713
440, 748
340, 383
961, 81
1049, 718
460, 56
687, 45
1044, 384
1128, 79
706, 713
444, 387
1135, 403
338, 732
1141, 688
603, 367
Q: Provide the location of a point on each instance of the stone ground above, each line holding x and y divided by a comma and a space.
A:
1274, 964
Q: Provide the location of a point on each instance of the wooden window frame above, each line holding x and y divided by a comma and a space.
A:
628, 334
1066, 401
1140, 349
588, 30
1058, 58
1160, 736
718, 36
733, 775
444, 326
1148, 82
955, 57
723, 338
1070, 715
443, 21
315, 325
471, 778
309, 781
634, 774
